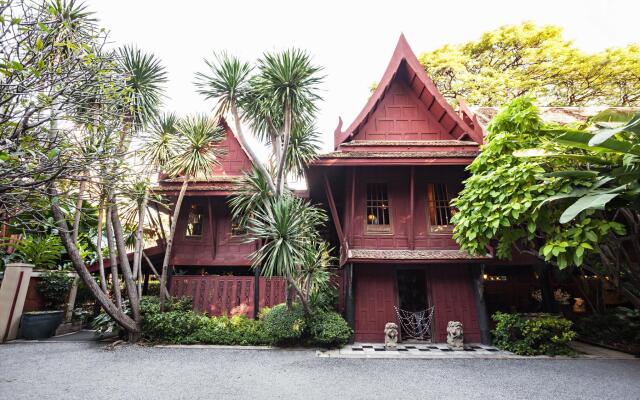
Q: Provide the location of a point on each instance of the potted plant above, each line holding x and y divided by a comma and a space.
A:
53, 286
44, 252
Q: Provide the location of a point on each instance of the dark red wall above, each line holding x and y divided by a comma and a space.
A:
452, 295
375, 297
449, 288
235, 161
401, 115
229, 250
398, 182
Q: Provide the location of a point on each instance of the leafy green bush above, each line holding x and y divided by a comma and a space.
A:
41, 251
171, 326
237, 330
329, 329
533, 335
285, 326
54, 287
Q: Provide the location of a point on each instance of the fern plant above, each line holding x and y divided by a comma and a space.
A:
41, 251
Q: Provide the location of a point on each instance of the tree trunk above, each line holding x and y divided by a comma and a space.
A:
78, 264
252, 154
281, 175
125, 268
172, 233
155, 272
103, 278
113, 260
137, 255
78, 212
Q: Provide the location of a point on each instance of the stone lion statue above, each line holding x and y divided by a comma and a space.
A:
390, 335
455, 335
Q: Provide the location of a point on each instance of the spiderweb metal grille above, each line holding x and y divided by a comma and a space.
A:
416, 324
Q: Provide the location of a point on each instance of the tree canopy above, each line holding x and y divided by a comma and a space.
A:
536, 61
565, 195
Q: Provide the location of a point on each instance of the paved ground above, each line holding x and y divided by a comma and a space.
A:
72, 370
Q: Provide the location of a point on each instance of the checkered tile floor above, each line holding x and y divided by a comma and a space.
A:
438, 350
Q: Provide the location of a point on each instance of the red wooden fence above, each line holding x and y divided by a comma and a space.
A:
218, 295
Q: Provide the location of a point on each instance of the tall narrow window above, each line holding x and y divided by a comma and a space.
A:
194, 221
378, 213
439, 208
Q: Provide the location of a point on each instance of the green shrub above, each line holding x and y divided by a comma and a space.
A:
329, 329
237, 330
533, 335
171, 326
54, 287
283, 325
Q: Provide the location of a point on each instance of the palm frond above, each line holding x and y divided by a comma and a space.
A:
159, 145
198, 151
225, 82
303, 148
145, 78
289, 78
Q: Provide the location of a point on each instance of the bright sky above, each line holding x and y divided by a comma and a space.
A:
352, 40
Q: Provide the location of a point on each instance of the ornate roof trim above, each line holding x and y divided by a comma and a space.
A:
375, 254
401, 154
404, 143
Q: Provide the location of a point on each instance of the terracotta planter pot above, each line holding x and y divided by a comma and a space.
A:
40, 324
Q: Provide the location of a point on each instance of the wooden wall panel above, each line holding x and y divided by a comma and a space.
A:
230, 251
219, 295
235, 161
401, 115
452, 295
374, 301
398, 180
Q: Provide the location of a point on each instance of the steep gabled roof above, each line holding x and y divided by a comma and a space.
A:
404, 61
224, 177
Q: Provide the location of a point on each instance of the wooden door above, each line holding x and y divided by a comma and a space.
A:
374, 301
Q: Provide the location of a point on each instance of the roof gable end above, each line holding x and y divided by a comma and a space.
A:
406, 105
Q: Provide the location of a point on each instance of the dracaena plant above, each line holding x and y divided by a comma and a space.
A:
277, 99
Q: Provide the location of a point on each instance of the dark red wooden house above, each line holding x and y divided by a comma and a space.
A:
387, 187
210, 258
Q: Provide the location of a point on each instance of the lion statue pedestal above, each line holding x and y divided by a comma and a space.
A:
391, 336
455, 335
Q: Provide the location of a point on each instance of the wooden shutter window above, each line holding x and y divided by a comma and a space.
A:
439, 208
194, 222
378, 217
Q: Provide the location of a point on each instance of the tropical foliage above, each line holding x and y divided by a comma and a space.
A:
531, 335
277, 98
526, 59
522, 193
70, 112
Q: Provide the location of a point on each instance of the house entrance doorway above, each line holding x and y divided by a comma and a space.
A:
414, 312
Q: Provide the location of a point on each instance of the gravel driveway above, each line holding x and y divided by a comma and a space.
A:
88, 371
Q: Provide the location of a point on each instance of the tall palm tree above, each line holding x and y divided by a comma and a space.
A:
185, 150
277, 99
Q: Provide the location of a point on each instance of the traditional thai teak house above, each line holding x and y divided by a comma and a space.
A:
210, 258
387, 187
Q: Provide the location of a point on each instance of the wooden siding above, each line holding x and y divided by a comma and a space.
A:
449, 290
452, 295
402, 221
400, 115
219, 295
374, 301
235, 161
200, 251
